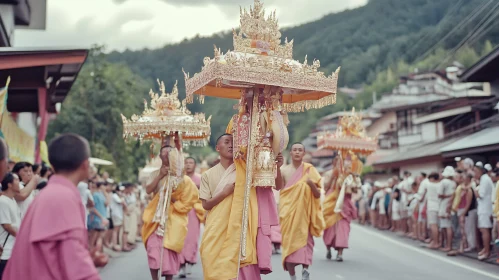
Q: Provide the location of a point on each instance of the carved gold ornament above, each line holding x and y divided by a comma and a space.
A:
166, 116
260, 59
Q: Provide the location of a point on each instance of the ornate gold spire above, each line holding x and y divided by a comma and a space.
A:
259, 34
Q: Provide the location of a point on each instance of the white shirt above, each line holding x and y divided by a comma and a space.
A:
365, 190
116, 206
9, 214
131, 201
446, 187
377, 196
432, 196
422, 189
86, 195
485, 190
24, 205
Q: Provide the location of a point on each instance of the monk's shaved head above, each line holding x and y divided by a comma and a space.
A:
298, 143
222, 136
4, 152
68, 152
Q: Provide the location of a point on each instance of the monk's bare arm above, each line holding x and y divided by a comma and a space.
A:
469, 198
26, 191
208, 204
315, 191
329, 183
10, 229
150, 188
279, 180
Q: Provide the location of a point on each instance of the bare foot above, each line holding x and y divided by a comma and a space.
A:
427, 240
445, 249
433, 247
483, 257
453, 253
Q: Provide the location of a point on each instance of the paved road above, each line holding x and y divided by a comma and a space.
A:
373, 255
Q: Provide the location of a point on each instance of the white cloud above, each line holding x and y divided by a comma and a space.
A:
136, 24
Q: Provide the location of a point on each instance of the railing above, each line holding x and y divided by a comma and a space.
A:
388, 140
489, 122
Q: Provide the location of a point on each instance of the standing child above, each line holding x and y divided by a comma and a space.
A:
97, 220
396, 210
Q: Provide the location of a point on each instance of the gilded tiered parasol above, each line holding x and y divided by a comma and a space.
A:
350, 135
260, 59
166, 117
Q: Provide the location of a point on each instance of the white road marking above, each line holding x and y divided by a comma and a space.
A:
426, 252
339, 276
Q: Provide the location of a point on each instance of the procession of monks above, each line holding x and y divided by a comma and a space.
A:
216, 199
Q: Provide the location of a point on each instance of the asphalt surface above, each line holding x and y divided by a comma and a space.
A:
373, 255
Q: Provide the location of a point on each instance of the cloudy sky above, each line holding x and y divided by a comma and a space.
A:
137, 24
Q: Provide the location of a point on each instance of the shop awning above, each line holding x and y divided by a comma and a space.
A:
414, 154
482, 141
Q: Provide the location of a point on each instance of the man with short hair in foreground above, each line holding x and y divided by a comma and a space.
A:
52, 241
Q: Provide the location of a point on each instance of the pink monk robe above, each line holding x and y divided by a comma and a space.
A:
275, 234
300, 215
195, 217
52, 241
337, 235
267, 218
184, 196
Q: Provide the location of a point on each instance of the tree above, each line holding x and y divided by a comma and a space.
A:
101, 93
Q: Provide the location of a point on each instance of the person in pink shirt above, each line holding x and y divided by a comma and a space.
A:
189, 255
52, 241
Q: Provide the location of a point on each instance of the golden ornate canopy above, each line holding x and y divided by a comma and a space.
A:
165, 117
350, 135
260, 59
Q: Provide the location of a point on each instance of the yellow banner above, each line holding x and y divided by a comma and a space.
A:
21, 144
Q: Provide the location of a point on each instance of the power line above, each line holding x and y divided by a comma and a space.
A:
431, 33
481, 29
475, 13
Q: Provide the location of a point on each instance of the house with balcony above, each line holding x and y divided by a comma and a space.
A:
434, 111
425, 113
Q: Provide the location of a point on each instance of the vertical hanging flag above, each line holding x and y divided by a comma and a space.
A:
3, 102
3, 98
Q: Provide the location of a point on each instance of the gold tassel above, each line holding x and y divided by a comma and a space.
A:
152, 150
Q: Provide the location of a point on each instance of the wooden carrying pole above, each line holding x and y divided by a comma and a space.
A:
249, 175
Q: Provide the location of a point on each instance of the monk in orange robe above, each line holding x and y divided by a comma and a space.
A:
184, 196
300, 212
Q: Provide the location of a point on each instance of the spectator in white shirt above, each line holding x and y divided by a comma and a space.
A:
10, 217
27, 185
432, 209
421, 197
117, 209
86, 198
484, 198
364, 202
446, 190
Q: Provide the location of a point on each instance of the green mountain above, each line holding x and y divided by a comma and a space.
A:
370, 43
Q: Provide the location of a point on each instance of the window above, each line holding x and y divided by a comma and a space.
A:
405, 120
